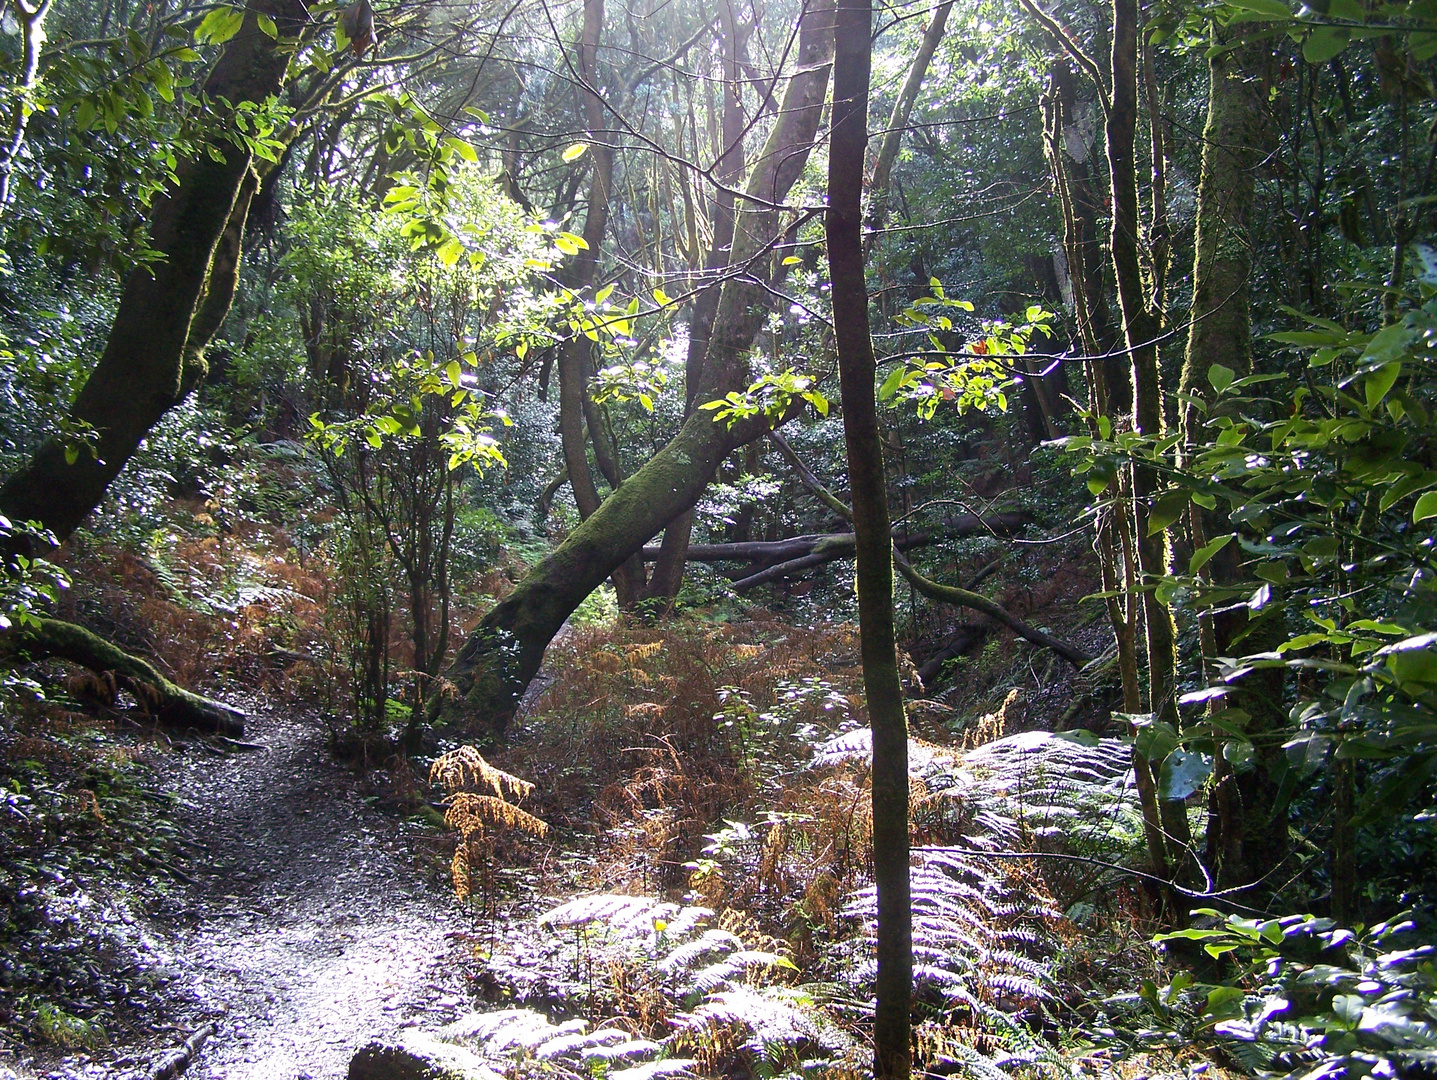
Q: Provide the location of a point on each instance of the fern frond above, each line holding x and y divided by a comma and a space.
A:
654, 1069
464, 768
470, 813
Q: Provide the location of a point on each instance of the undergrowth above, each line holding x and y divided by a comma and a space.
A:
87, 848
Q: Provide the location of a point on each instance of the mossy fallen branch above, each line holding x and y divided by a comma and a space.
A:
951, 594
170, 704
944, 594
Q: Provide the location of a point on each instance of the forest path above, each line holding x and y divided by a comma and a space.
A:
309, 931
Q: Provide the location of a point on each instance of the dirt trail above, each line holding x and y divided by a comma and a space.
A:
308, 931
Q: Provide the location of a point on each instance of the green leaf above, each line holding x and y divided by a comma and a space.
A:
1426, 507
661, 298
1221, 377
463, 149
1203, 555
575, 152
267, 26
1312, 338
1380, 381
1389, 343
453, 372
791, 260
1156, 740
1167, 510
1424, 45
1183, 772
1263, 9
1324, 43
219, 26
891, 384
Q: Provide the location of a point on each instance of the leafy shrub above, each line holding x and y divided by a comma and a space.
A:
1311, 1000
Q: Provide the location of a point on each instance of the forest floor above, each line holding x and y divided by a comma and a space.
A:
308, 928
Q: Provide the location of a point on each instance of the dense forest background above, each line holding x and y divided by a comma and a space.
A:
941, 494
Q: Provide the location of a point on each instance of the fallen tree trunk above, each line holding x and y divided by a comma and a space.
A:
169, 703
841, 545
947, 594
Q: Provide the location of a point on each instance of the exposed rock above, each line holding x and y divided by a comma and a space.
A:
418, 1056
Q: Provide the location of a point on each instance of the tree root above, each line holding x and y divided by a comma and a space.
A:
170, 704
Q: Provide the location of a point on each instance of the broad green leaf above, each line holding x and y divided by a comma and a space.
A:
1324, 43
1203, 555
575, 152
1156, 740
1426, 507
1380, 381
1221, 377
1167, 510
1263, 9
1424, 45
1389, 343
791, 260
453, 372
219, 26
891, 384
661, 298
1183, 772
267, 26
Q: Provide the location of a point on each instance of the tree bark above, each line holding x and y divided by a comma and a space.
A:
848, 145
505, 650
168, 703
141, 374
1246, 837
841, 545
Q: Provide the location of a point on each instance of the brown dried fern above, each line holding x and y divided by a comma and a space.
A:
475, 815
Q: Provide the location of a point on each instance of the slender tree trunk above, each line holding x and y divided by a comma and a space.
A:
505, 650
576, 409
879, 182
848, 145
32, 39
141, 374
668, 572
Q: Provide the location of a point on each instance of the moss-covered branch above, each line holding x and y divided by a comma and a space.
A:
169, 703
951, 594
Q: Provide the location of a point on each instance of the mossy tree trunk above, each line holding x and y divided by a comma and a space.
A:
504, 652
168, 309
577, 410
1245, 837
848, 143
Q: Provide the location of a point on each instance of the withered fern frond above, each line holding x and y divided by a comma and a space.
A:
464, 769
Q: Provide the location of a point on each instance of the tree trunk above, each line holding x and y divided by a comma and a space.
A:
141, 374
1248, 837
168, 703
848, 143
505, 650
878, 184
